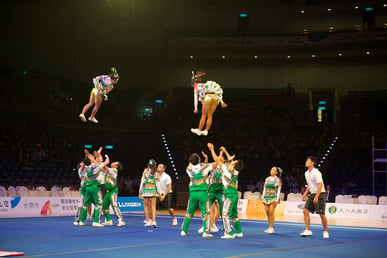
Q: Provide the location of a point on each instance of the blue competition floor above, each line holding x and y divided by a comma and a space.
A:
58, 237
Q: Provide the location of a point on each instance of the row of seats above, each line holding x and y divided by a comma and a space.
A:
40, 191
361, 199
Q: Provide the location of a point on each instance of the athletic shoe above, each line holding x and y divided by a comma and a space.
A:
196, 131
108, 223
204, 132
174, 222
227, 236
238, 235
326, 235
96, 224
83, 118
200, 231
92, 119
81, 223
121, 223
154, 224
148, 224
182, 233
214, 229
269, 231
206, 235
306, 233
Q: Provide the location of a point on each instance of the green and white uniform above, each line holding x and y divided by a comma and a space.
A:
82, 173
148, 186
111, 195
216, 187
230, 205
198, 195
271, 190
93, 191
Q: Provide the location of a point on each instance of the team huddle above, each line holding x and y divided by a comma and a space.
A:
98, 187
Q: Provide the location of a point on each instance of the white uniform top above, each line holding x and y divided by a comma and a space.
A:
313, 178
164, 181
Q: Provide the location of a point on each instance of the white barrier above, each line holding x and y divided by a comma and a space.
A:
11, 207
343, 210
38, 206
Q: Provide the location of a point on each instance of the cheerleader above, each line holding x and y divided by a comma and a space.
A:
103, 84
271, 196
210, 94
149, 193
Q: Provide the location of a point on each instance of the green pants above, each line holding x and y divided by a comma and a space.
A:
111, 199
81, 201
198, 198
216, 196
230, 213
93, 195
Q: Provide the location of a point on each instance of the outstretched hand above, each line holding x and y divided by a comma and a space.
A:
210, 146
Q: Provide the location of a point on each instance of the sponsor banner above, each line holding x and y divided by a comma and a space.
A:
294, 208
38, 206
343, 210
256, 207
348, 210
130, 203
242, 205
379, 212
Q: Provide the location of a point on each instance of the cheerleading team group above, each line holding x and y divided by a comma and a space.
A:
213, 186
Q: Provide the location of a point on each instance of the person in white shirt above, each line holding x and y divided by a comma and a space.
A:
315, 201
165, 199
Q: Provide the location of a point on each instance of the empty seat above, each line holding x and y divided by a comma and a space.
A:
3, 191
12, 191
382, 200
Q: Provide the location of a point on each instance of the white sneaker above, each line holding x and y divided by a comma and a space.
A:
214, 229
121, 223
75, 223
96, 224
206, 235
306, 233
204, 132
200, 230
92, 119
83, 118
108, 223
238, 235
196, 131
325, 235
148, 224
154, 224
269, 231
174, 222
227, 236
81, 223
182, 233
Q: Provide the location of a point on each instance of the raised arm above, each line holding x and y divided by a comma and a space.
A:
205, 157
195, 99
217, 162
229, 157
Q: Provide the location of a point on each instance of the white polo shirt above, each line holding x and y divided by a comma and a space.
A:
313, 178
164, 180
